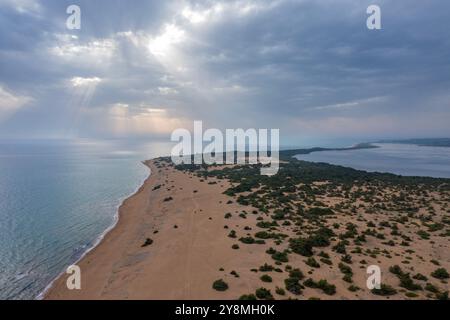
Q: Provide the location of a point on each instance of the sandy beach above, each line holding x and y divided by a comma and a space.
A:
184, 216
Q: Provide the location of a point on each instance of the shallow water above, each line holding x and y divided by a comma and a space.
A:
56, 199
402, 159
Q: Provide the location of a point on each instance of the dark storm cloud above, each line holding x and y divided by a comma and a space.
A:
306, 67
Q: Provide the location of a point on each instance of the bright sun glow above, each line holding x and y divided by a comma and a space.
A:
162, 45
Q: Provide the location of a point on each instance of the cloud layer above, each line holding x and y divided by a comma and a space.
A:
308, 67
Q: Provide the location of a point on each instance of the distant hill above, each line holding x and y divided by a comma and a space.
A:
430, 142
291, 153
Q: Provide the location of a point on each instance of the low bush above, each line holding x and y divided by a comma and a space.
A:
301, 246
266, 268
312, 263
147, 243
280, 291
247, 240
293, 285
385, 290
266, 278
280, 256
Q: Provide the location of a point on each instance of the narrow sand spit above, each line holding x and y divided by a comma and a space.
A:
185, 218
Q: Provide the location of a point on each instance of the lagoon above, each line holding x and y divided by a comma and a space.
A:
401, 159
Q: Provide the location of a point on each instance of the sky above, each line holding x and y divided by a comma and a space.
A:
140, 69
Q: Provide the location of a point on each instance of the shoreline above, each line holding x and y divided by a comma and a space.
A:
181, 232
117, 216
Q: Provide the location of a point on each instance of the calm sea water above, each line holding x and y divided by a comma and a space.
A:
402, 159
56, 200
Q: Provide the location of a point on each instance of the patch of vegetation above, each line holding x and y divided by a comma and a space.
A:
147, 242
301, 246
264, 294
312, 263
280, 256
326, 287
220, 285
247, 240
266, 278
385, 290
440, 273
280, 291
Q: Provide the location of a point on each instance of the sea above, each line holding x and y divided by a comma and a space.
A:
57, 200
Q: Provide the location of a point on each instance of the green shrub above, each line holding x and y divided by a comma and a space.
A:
296, 273
407, 283
440, 273
266, 278
235, 274
147, 242
442, 296
266, 224
411, 295
340, 247
432, 288
327, 288
301, 246
423, 234
293, 285
310, 283
266, 268
385, 290
347, 258
220, 285
247, 240
280, 291
263, 235
320, 211
396, 270
232, 234
312, 263
353, 288
345, 269
347, 278
280, 256
248, 297
420, 276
